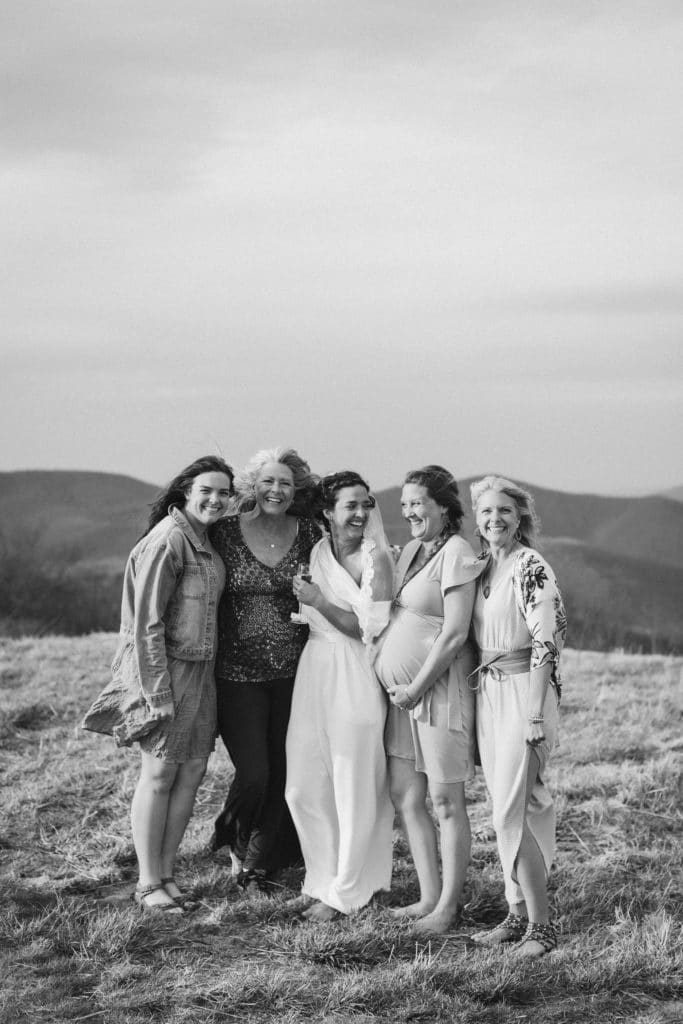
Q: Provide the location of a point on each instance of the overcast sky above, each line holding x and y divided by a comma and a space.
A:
384, 232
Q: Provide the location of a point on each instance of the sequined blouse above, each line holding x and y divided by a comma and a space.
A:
257, 641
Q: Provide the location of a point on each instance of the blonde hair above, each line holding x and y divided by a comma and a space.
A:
304, 481
529, 523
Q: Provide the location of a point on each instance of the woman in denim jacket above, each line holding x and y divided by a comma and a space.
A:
163, 692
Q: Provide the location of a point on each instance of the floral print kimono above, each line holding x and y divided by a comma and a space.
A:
519, 625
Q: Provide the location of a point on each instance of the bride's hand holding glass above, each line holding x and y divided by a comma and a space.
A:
304, 589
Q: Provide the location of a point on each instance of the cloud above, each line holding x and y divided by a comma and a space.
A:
229, 204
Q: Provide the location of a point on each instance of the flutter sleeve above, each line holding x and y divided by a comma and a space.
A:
539, 600
460, 564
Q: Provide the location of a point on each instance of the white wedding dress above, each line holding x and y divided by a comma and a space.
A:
337, 787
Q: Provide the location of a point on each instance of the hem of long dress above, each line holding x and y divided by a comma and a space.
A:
513, 874
344, 907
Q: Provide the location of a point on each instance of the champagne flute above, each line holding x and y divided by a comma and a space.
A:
304, 571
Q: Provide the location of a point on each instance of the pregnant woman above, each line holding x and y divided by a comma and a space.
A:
423, 661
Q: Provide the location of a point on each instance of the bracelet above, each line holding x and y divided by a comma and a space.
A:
535, 719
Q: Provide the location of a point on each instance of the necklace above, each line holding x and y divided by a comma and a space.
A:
486, 589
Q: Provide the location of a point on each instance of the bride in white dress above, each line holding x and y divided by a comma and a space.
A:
337, 787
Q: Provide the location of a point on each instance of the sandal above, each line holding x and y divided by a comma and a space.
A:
253, 881
140, 897
184, 900
514, 925
544, 934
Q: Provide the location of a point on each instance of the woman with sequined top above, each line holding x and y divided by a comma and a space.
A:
519, 625
258, 651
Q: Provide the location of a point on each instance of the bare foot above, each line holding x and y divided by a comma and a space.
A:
531, 950
413, 909
320, 912
436, 923
500, 935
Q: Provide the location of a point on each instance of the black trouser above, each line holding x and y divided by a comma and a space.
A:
255, 820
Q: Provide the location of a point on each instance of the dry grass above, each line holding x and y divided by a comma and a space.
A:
73, 947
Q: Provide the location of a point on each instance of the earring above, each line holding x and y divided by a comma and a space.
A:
518, 535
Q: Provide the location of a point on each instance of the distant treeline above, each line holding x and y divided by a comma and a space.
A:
49, 592
44, 591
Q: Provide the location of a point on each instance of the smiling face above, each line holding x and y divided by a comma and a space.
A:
498, 519
206, 500
349, 517
274, 489
425, 517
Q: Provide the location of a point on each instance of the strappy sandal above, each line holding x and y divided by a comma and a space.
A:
544, 934
184, 900
514, 925
140, 897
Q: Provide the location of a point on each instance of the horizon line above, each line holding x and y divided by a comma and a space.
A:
663, 492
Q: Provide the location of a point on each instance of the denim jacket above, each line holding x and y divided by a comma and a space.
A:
168, 606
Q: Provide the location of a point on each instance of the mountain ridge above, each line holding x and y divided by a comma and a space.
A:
619, 560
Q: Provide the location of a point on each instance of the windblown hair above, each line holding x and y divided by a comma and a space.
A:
442, 487
529, 524
305, 482
176, 492
330, 486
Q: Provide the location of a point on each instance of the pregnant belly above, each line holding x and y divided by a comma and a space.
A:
404, 647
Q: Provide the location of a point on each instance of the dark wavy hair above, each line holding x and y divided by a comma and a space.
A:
442, 487
176, 492
330, 486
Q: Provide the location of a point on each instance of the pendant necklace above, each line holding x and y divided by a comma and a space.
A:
486, 589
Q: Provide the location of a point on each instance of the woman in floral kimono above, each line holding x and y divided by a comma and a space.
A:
519, 625
337, 787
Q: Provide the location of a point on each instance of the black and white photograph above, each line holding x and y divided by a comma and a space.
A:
341, 512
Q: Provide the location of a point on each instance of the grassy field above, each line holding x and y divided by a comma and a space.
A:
74, 948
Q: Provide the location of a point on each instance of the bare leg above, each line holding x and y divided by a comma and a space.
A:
409, 793
531, 872
148, 815
179, 812
448, 800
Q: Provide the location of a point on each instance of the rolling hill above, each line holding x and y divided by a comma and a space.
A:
619, 560
649, 528
90, 517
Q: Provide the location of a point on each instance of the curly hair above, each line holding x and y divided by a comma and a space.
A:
305, 482
176, 492
442, 487
331, 484
529, 523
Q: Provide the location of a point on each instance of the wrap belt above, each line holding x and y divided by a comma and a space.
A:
500, 663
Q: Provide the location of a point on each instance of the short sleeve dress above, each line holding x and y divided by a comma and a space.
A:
439, 733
